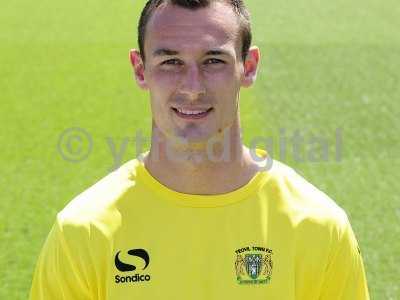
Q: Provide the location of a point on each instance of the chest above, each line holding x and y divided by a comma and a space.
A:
218, 258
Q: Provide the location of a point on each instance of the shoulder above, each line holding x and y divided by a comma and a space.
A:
306, 207
325, 248
97, 204
313, 221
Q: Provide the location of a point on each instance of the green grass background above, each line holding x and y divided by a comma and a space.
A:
325, 65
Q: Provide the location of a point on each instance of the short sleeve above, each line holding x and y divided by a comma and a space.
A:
59, 273
345, 277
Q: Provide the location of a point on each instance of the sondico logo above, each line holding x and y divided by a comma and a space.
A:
126, 267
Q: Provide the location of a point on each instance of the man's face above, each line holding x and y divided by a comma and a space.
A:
193, 63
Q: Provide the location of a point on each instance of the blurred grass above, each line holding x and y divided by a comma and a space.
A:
324, 66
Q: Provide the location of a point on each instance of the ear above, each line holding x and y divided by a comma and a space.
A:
138, 68
250, 66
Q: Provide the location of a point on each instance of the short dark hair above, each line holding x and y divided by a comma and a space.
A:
238, 7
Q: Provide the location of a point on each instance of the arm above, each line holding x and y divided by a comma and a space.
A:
60, 269
345, 275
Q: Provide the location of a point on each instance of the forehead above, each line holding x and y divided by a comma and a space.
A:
187, 30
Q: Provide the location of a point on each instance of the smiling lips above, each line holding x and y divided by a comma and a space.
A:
194, 113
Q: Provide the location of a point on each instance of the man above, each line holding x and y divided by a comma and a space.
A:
198, 216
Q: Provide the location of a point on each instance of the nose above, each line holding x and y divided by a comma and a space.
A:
192, 85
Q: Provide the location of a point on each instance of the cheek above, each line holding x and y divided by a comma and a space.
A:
163, 79
224, 87
226, 92
227, 79
161, 88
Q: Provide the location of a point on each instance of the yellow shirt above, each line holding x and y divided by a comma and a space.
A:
130, 237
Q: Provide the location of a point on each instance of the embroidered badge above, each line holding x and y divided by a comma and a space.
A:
253, 265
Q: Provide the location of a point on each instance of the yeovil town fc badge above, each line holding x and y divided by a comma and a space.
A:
253, 265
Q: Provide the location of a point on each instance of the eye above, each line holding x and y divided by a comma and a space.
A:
171, 62
215, 61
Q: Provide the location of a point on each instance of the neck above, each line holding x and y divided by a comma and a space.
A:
220, 165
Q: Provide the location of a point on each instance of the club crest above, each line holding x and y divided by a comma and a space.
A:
253, 265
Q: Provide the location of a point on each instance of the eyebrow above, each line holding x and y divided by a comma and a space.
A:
217, 52
169, 52
164, 52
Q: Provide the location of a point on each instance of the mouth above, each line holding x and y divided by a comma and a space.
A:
192, 114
